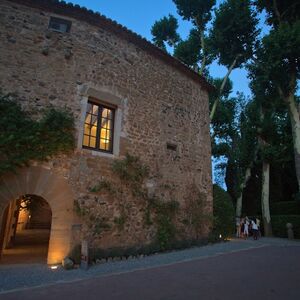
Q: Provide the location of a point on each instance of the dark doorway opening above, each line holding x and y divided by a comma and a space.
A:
25, 231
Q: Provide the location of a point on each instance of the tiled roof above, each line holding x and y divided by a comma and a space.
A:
96, 19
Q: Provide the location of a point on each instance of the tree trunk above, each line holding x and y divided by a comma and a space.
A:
295, 122
239, 202
203, 63
213, 110
265, 193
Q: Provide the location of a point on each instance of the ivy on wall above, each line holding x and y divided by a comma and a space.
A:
132, 174
23, 139
196, 216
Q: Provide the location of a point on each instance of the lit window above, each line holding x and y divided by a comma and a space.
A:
98, 127
59, 25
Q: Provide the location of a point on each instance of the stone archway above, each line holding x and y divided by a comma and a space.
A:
25, 230
54, 188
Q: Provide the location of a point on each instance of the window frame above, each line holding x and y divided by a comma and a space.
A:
101, 106
66, 22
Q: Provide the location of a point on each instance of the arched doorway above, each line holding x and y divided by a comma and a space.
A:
42, 183
25, 231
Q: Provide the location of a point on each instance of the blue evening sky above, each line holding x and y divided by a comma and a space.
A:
139, 16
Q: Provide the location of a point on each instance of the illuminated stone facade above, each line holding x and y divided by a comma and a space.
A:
161, 116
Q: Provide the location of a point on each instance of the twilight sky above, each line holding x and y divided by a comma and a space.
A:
139, 16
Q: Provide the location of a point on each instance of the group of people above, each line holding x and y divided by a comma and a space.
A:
246, 227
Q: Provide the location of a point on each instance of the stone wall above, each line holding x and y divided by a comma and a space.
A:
157, 104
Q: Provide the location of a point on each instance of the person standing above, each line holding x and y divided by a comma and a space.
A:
254, 229
242, 226
246, 227
257, 221
238, 227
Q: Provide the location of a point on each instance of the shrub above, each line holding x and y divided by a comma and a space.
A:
285, 208
75, 254
148, 249
165, 232
98, 253
224, 215
296, 197
279, 225
166, 229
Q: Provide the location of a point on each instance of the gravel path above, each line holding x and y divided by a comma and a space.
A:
16, 277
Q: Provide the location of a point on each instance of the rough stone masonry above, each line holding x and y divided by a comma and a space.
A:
161, 117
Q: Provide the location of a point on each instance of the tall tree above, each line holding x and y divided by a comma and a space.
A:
232, 37
164, 32
233, 138
278, 60
189, 51
271, 131
246, 151
199, 13
192, 50
274, 142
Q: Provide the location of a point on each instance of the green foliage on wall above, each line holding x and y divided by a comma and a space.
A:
165, 212
132, 173
95, 223
120, 221
23, 139
196, 217
224, 215
103, 185
130, 169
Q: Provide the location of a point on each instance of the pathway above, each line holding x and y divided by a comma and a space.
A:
265, 268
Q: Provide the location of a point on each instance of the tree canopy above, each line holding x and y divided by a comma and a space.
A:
165, 31
263, 130
233, 33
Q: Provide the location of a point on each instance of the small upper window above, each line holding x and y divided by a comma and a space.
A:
59, 25
99, 127
171, 146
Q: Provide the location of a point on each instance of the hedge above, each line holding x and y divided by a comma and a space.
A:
285, 208
135, 251
279, 225
224, 214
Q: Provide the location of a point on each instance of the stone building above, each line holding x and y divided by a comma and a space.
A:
127, 96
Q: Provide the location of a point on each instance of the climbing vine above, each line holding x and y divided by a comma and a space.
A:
166, 230
196, 216
95, 223
132, 175
23, 139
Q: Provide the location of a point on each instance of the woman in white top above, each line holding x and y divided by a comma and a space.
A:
246, 227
